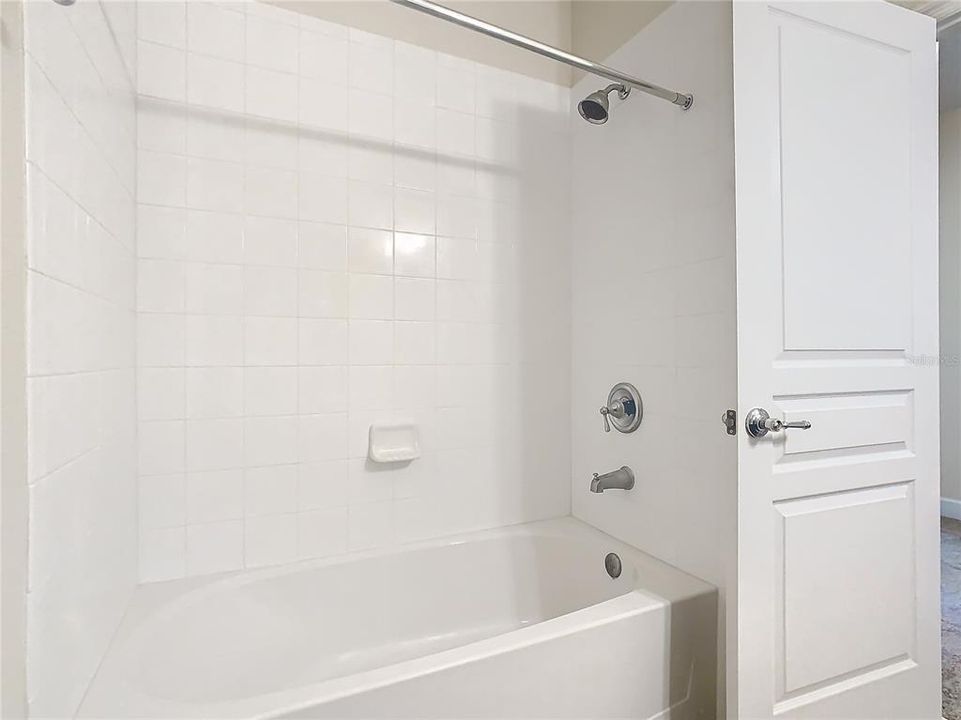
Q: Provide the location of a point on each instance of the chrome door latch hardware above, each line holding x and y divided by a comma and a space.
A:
758, 423
729, 418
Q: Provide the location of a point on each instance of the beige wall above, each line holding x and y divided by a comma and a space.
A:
599, 27
950, 281
949, 62
547, 21
591, 28
13, 482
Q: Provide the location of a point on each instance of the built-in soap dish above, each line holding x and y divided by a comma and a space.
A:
393, 442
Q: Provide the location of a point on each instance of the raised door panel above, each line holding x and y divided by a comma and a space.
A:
845, 425
846, 568
846, 181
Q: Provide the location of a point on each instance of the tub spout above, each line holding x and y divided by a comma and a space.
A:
622, 479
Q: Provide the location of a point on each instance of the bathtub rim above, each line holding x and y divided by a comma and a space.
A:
673, 583
657, 585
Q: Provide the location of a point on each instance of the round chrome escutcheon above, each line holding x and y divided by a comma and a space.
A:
628, 410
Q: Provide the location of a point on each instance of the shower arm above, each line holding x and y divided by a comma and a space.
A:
684, 100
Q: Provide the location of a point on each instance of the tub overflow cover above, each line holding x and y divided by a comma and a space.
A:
612, 563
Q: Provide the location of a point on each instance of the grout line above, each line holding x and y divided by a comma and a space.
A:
244, 297
138, 489
76, 118
37, 168
186, 180
131, 81
298, 480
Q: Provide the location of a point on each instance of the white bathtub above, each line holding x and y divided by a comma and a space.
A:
520, 622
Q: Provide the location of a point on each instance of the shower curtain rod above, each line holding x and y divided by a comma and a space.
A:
684, 100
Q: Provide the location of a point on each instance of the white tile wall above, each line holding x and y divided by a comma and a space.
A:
81, 154
653, 258
337, 229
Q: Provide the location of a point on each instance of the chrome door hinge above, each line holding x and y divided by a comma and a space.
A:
729, 418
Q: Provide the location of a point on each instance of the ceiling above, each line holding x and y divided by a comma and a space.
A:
946, 12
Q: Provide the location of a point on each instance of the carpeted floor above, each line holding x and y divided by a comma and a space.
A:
951, 619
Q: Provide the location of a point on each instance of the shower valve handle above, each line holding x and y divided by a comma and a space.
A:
616, 409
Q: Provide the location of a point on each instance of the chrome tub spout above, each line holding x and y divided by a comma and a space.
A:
621, 479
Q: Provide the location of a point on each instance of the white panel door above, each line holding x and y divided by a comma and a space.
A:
836, 161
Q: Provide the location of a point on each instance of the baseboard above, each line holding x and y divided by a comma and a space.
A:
951, 508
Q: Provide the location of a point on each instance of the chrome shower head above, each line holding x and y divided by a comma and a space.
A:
595, 108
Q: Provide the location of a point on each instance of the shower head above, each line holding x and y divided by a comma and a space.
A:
595, 108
